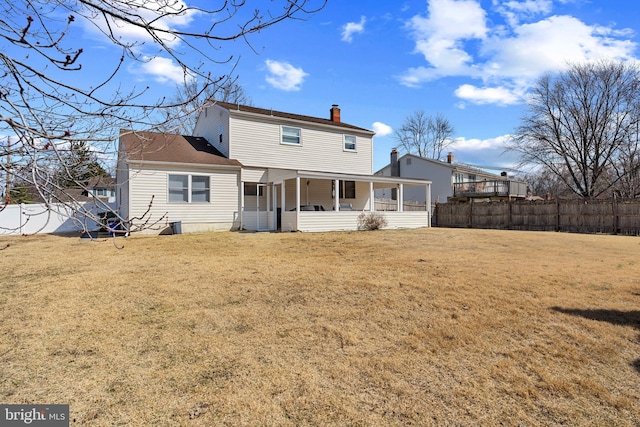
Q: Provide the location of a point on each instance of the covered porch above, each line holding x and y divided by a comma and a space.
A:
291, 200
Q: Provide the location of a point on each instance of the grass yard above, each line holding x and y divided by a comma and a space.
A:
394, 328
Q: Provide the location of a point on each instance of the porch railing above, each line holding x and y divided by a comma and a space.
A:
499, 188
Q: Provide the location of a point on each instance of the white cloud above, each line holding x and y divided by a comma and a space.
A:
351, 28
474, 144
456, 40
515, 11
382, 129
548, 45
164, 16
440, 37
163, 70
487, 95
284, 76
488, 153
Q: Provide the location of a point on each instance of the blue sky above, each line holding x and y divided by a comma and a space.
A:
471, 60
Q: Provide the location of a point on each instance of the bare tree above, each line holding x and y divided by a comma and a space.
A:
424, 135
188, 101
51, 101
543, 182
582, 125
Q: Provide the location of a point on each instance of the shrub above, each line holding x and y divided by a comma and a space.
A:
371, 221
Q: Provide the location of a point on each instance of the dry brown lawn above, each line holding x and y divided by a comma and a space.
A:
394, 328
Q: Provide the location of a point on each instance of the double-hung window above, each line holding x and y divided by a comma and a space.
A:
291, 136
188, 189
347, 189
349, 143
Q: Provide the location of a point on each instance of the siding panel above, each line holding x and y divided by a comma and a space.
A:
220, 212
257, 143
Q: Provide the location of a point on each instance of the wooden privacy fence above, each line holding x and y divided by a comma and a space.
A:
613, 216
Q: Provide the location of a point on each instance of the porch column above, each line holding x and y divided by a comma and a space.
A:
428, 205
282, 200
274, 193
372, 198
241, 205
297, 203
401, 198
336, 195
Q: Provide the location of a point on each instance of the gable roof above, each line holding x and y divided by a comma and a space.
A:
290, 116
454, 167
102, 181
163, 147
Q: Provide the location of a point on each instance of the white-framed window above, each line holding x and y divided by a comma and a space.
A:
349, 143
290, 135
188, 189
251, 189
103, 192
472, 178
347, 189
458, 177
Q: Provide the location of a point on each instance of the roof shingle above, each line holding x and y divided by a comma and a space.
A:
163, 147
273, 113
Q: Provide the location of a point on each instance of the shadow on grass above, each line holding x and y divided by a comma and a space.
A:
615, 317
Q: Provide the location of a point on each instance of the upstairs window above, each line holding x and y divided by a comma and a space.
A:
290, 135
349, 143
189, 189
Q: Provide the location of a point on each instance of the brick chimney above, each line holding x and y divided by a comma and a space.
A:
395, 165
335, 113
450, 157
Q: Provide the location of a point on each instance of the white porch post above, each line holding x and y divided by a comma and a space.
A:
372, 197
297, 203
428, 205
268, 198
241, 205
274, 203
282, 200
336, 195
401, 198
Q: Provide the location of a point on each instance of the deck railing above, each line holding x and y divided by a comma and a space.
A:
499, 188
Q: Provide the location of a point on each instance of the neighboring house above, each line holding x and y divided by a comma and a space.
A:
449, 180
257, 169
101, 187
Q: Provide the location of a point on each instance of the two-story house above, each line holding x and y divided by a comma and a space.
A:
257, 169
449, 180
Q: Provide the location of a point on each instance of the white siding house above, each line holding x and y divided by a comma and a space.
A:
443, 176
261, 170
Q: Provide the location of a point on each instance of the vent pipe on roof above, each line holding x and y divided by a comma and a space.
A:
334, 113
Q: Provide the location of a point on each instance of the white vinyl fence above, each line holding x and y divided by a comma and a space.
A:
55, 218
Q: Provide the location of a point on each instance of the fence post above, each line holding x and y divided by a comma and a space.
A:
615, 214
557, 213
470, 213
509, 215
